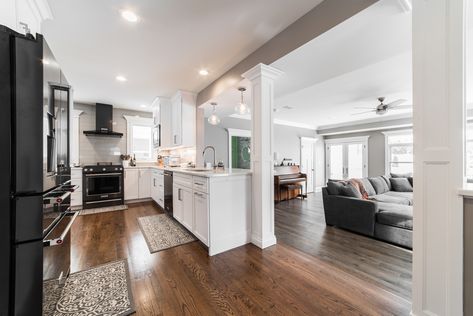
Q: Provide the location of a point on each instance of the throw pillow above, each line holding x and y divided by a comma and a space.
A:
411, 180
334, 187
351, 191
401, 185
401, 175
379, 185
368, 187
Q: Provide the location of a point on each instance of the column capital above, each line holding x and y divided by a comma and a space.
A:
262, 70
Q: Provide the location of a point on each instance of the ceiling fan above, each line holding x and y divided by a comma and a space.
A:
383, 108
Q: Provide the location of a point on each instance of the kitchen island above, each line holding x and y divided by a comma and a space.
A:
215, 206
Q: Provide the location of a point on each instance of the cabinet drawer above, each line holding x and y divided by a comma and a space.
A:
182, 179
200, 184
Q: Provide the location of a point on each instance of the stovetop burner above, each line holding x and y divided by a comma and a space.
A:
102, 168
104, 163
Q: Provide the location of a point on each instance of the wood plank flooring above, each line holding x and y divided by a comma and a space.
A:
184, 280
301, 224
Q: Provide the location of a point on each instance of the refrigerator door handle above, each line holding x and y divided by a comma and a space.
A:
60, 239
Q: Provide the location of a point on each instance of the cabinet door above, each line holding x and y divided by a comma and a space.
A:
187, 209
176, 120
131, 184
201, 217
177, 202
145, 181
154, 188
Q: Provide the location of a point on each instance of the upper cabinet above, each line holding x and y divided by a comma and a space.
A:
22, 15
177, 119
183, 119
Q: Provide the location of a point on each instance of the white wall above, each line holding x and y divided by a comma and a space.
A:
286, 138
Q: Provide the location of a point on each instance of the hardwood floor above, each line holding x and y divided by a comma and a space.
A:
279, 280
301, 224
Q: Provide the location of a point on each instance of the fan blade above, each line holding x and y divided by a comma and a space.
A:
395, 103
364, 112
363, 107
401, 107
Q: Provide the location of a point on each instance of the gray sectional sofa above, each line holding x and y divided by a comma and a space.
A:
385, 214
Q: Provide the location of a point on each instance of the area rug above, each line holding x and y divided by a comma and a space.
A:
103, 209
162, 232
102, 290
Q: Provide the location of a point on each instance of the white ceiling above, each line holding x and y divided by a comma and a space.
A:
363, 58
165, 49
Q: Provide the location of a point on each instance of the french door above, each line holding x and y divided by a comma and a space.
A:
346, 158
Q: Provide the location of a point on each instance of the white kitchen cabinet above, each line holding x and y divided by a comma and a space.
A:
144, 188
183, 119
162, 115
177, 203
132, 182
187, 208
157, 187
76, 196
201, 217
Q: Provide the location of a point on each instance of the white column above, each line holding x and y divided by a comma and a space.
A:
438, 64
262, 219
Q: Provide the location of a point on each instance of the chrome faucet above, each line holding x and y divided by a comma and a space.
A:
203, 154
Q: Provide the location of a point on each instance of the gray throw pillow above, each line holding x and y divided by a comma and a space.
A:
401, 185
387, 182
334, 187
379, 184
401, 175
351, 191
411, 180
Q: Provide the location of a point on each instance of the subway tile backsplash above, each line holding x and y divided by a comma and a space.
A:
93, 149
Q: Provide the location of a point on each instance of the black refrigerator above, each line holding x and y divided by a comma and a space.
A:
34, 159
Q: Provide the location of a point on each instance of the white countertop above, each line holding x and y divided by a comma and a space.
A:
466, 190
208, 174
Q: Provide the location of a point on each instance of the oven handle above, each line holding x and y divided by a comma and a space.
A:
60, 239
103, 174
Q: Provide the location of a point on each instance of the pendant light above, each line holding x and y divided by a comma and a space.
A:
242, 108
214, 119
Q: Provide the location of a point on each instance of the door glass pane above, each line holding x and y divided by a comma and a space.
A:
355, 160
336, 162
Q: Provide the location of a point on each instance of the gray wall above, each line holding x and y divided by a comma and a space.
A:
94, 149
376, 150
468, 257
286, 138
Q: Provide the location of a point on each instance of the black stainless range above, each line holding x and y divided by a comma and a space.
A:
102, 185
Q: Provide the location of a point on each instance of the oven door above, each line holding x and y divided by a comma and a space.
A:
106, 186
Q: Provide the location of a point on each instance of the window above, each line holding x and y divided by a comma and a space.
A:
399, 152
346, 158
140, 137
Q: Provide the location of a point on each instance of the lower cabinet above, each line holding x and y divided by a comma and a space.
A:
191, 208
137, 183
132, 181
201, 217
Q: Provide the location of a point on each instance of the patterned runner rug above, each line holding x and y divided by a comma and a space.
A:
102, 290
103, 209
163, 232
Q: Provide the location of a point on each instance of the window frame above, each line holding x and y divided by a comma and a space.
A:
132, 121
387, 148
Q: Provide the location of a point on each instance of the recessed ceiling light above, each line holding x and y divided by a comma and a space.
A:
203, 72
120, 78
143, 105
45, 62
130, 16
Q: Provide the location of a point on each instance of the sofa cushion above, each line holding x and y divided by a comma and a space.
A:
351, 191
387, 198
411, 181
379, 184
387, 182
401, 185
406, 195
368, 186
394, 215
334, 187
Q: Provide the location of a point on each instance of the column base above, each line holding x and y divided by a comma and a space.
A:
267, 242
